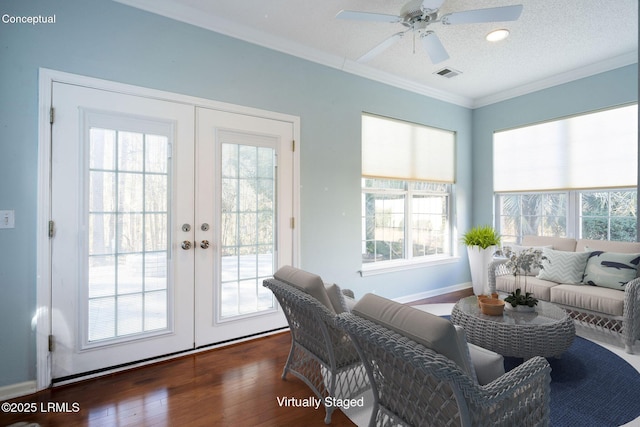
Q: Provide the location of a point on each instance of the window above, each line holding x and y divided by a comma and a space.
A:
608, 215
570, 177
407, 185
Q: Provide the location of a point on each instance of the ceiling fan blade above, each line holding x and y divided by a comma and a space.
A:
493, 14
380, 48
432, 44
431, 5
367, 16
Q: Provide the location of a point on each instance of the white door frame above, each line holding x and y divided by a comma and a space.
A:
42, 315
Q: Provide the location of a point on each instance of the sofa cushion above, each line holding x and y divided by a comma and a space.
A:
557, 243
610, 269
427, 329
608, 246
562, 266
307, 282
538, 287
603, 300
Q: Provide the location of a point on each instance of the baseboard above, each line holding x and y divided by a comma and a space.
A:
16, 390
433, 293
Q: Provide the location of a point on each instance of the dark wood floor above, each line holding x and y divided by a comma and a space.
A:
236, 385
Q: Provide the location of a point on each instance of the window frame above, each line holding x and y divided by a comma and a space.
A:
574, 212
409, 261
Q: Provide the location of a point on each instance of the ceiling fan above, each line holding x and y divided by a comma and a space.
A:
417, 15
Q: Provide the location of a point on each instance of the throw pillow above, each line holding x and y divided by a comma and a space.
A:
563, 266
335, 296
610, 269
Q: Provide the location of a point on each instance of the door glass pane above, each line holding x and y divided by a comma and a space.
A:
247, 228
128, 244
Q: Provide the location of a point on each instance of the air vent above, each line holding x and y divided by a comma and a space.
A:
448, 72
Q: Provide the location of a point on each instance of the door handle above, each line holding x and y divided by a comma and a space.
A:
186, 245
204, 244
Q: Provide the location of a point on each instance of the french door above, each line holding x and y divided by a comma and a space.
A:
166, 219
244, 185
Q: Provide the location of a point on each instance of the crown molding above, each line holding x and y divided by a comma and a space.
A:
558, 79
189, 15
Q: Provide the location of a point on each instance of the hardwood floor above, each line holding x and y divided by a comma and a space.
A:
238, 385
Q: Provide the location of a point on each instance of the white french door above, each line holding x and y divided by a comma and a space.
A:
244, 179
167, 218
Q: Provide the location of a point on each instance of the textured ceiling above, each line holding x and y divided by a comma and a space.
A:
552, 42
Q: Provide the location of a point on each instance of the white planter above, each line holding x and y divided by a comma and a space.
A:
479, 260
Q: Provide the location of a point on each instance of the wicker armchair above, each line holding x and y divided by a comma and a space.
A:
321, 355
415, 386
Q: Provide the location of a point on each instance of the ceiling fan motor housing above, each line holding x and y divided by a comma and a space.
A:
413, 14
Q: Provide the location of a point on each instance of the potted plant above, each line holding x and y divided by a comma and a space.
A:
521, 301
522, 263
481, 243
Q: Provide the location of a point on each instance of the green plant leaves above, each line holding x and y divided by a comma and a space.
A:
483, 236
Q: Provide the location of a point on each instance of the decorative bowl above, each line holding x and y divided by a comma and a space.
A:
492, 306
482, 297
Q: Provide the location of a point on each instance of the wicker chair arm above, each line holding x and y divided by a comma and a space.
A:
631, 313
534, 370
497, 268
348, 293
309, 320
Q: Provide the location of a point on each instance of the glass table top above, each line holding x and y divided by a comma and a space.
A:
545, 313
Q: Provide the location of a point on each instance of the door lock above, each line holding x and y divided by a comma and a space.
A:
186, 245
204, 244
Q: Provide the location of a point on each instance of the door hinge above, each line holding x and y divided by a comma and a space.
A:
51, 342
293, 222
293, 145
51, 115
51, 224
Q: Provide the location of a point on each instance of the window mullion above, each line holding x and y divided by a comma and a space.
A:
408, 229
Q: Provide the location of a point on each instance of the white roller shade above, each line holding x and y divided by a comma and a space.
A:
597, 150
393, 149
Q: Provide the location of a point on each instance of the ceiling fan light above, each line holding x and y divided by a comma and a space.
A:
497, 35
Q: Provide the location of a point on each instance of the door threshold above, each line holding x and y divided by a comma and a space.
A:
85, 376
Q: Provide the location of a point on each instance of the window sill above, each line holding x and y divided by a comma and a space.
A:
403, 265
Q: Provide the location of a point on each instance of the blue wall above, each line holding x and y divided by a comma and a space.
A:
111, 41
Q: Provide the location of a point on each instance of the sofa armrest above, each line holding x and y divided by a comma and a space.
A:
631, 314
496, 268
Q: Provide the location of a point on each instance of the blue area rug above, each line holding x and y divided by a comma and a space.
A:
591, 386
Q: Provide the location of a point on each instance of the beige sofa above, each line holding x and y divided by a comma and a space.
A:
595, 280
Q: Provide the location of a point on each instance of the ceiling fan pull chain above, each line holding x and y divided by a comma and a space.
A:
414, 42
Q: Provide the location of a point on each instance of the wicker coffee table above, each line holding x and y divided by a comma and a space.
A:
547, 332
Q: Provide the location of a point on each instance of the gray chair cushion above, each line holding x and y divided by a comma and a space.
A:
424, 328
307, 282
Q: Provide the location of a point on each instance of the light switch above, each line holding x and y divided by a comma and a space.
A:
7, 219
